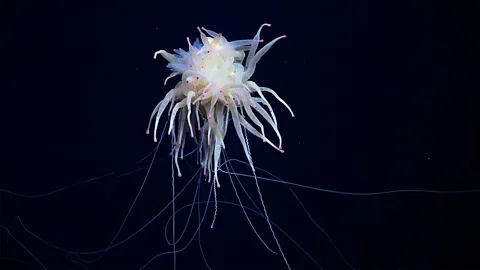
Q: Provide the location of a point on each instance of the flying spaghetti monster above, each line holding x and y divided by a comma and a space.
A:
216, 86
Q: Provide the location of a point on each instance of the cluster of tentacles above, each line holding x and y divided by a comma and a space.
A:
215, 87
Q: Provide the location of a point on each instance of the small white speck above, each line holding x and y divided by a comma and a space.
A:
428, 158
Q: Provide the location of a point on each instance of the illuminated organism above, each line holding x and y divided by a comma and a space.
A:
215, 86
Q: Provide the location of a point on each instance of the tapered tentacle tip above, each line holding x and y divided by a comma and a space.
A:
147, 132
154, 139
179, 174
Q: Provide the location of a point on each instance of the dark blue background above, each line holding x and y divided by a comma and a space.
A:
383, 93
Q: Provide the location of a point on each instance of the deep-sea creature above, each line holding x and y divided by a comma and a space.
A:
215, 86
